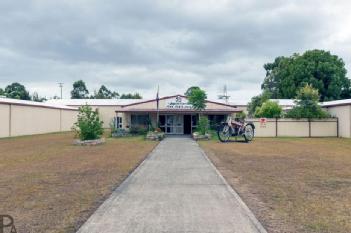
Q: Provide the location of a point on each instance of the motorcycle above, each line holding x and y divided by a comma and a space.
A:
236, 128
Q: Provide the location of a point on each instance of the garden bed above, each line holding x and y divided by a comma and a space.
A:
196, 136
89, 142
155, 136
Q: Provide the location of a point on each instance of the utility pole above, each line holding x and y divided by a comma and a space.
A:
225, 95
61, 85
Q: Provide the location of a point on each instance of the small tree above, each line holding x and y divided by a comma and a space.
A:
307, 104
88, 125
190, 89
197, 98
269, 109
203, 125
37, 98
257, 101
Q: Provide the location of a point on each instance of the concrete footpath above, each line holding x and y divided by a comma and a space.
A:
176, 189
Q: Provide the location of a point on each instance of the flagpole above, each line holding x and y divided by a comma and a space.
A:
158, 107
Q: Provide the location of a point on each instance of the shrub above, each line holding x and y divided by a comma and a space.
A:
138, 130
202, 127
269, 109
257, 101
240, 115
113, 126
307, 104
149, 125
213, 125
88, 125
115, 131
300, 112
119, 133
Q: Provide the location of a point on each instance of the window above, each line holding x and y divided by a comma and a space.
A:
139, 120
119, 122
162, 122
194, 119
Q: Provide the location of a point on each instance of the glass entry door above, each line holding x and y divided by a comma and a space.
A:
174, 124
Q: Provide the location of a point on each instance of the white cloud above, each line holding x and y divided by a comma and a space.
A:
132, 46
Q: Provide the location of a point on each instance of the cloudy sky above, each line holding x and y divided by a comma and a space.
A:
132, 46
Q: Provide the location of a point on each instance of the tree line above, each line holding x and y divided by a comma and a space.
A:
79, 91
18, 91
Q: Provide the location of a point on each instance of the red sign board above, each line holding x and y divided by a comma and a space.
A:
263, 122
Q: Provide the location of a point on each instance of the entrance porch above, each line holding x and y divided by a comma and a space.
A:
171, 122
178, 123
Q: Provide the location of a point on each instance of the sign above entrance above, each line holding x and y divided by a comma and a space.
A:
178, 102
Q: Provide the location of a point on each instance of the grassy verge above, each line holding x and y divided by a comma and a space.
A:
49, 185
291, 184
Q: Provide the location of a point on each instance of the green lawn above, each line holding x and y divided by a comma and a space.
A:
49, 185
291, 184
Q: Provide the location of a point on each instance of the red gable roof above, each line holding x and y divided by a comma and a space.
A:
172, 96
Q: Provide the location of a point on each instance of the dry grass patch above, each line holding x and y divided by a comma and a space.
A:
49, 185
292, 185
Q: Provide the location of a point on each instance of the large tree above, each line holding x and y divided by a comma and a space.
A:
79, 91
324, 71
2, 92
131, 96
16, 91
105, 93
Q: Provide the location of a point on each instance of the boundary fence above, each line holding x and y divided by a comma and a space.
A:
277, 127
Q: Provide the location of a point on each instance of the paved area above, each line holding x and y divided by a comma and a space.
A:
176, 189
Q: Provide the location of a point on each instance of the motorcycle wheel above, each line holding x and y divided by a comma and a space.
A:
248, 133
224, 133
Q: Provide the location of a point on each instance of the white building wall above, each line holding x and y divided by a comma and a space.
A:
21, 119
68, 118
27, 120
4, 120
106, 113
343, 113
